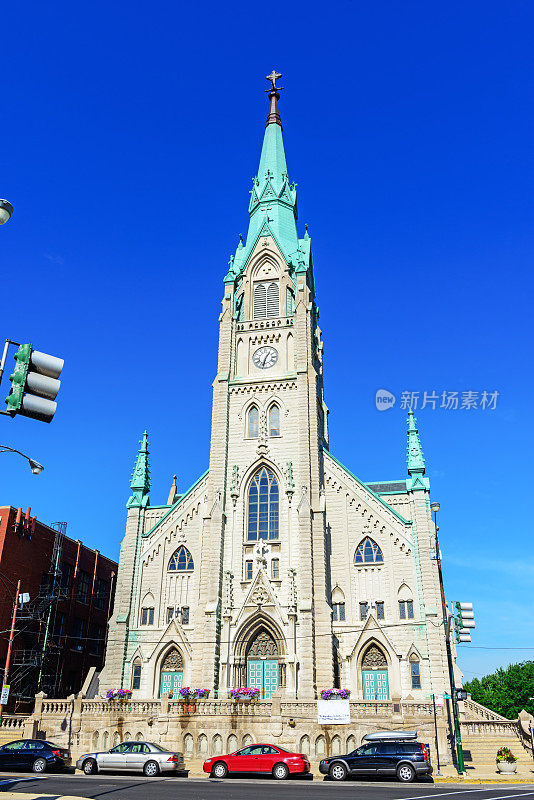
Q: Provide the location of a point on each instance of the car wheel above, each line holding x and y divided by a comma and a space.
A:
338, 771
89, 766
219, 770
39, 765
406, 773
280, 772
151, 769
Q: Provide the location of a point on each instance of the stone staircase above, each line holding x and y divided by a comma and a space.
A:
485, 731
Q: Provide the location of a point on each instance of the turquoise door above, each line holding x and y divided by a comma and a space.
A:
375, 684
263, 675
171, 682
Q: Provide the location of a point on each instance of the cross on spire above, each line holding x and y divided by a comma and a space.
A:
273, 77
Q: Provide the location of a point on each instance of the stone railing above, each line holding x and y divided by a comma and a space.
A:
98, 706
475, 711
13, 722
491, 727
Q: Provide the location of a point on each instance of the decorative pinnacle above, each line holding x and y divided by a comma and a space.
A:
415, 458
274, 97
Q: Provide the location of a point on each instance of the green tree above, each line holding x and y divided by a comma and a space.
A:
506, 691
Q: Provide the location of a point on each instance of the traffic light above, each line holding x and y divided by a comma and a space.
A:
464, 621
34, 384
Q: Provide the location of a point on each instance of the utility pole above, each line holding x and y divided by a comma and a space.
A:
446, 626
10, 645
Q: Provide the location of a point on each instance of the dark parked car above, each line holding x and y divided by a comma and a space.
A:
387, 754
33, 754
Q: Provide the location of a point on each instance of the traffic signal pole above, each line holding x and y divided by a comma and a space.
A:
10, 645
447, 629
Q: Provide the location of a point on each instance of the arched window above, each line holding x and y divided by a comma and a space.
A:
368, 552
415, 672
274, 420
136, 674
266, 300
181, 560
263, 499
253, 422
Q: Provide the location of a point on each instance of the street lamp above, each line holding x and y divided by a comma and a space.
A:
35, 467
6, 209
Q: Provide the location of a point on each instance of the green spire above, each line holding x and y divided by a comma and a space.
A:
273, 199
140, 483
414, 453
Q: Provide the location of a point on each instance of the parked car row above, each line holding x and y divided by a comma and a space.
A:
387, 753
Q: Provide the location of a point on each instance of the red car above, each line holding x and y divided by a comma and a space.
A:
268, 758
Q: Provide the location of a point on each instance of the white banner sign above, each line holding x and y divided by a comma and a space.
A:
4, 697
438, 700
333, 712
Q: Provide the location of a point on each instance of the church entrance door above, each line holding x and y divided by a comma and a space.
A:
172, 673
263, 675
375, 674
375, 684
262, 665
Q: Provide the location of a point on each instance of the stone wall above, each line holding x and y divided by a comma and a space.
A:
208, 727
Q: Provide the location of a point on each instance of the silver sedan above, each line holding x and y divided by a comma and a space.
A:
145, 757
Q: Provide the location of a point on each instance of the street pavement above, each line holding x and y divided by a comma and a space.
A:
133, 787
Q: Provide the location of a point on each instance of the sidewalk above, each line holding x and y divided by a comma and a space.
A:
485, 773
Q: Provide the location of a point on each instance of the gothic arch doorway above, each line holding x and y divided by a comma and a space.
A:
375, 677
262, 664
171, 673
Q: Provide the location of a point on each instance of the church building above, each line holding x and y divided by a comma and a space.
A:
279, 568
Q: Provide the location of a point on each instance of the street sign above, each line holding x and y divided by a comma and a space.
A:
4, 696
24, 598
438, 700
461, 694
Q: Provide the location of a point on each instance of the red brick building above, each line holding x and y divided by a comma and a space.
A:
61, 632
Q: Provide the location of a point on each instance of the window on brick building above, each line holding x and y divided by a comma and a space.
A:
249, 566
101, 596
364, 610
379, 609
185, 615
170, 614
84, 584
253, 422
66, 575
76, 633
275, 569
338, 612
274, 420
95, 640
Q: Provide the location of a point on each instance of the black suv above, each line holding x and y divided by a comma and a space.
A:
405, 759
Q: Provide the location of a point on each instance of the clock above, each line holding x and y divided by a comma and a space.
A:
265, 357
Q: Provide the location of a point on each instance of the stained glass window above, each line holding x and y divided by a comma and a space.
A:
253, 423
368, 552
181, 560
274, 420
263, 499
415, 674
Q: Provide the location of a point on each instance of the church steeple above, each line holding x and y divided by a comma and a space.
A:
415, 458
273, 199
140, 483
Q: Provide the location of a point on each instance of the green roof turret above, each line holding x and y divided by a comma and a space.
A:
140, 483
415, 458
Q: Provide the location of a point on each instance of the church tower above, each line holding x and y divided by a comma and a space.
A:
278, 568
265, 529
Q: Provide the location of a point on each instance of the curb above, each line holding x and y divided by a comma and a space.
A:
503, 781
39, 796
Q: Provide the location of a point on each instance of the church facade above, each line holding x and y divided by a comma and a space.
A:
279, 568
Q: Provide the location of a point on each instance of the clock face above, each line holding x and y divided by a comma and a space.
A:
265, 357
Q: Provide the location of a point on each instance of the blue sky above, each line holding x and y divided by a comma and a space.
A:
130, 135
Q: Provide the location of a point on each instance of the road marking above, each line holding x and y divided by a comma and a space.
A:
463, 791
9, 781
